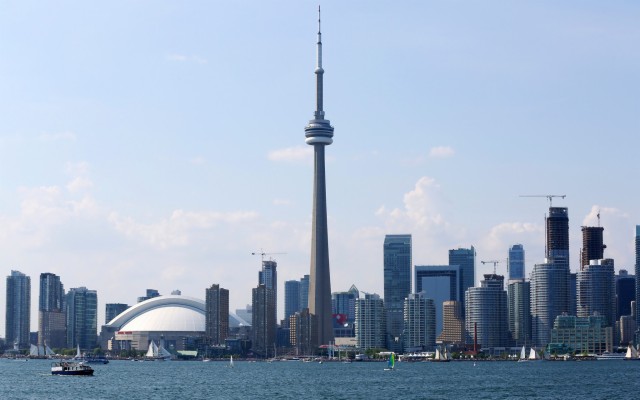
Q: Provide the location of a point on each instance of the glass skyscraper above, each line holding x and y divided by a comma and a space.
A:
519, 297
466, 260
370, 322
397, 286
18, 311
291, 298
625, 293
516, 262
263, 320
52, 324
82, 318
269, 277
597, 291
440, 283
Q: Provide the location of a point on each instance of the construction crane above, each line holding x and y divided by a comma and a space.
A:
548, 196
261, 253
494, 262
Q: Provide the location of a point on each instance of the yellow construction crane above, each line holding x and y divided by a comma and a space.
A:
494, 262
548, 196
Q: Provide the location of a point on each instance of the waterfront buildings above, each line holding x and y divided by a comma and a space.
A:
596, 291
440, 283
18, 309
216, 315
319, 133
625, 293
397, 286
515, 265
263, 321
592, 244
453, 331
419, 323
112, 310
302, 331
466, 260
291, 298
487, 311
519, 309
82, 318
582, 335
370, 323
52, 324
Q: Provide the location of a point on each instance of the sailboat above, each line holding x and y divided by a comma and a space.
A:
441, 356
523, 355
157, 353
533, 355
391, 363
632, 353
231, 362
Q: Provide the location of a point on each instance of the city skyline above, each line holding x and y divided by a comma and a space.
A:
125, 155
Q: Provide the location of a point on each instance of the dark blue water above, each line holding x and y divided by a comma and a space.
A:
298, 380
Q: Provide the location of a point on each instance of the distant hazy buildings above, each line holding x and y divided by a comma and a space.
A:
466, 260
397, 286
216, 314
52, 324
18, 309
112, 310
519, 307
515, 265
82, 318
151, 293
419, 323
625, 293
628, 328
370, 323
440, 283
263, 321
487, 310
596, 291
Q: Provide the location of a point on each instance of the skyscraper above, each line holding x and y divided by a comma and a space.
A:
319, 133
52, 324
397, 286
549, 298
216, 314
112, 310
82, 318
291, 298
304, 292
519, 298
637, 270
516, 262
487, 307
263, 321
452, 323
625, 293
17, 317
592, 244
466, 259
558, 236
419, 323
440, 283
597, 291
370, 322
269, 277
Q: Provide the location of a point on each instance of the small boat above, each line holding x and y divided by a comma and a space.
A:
391, 363
70, 368
523, 355
606, 356
441, 356
533, 355
632, 353
231, 362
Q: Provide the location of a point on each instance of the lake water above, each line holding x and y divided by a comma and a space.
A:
298, 380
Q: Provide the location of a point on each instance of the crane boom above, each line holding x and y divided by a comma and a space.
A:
494, 262
548, 196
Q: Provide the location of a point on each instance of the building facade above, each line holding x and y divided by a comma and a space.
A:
291, 298
263, 321
302, 331
580, 335
370, 323
519, 308
637, 271
18, 310
112, 310
453, 331
515, 265
549, 298
52, 324
82, 318
419, 323
397, 286
216, 315
596, 291
592, 244
625, 293
487, 310
440, 283
466, 260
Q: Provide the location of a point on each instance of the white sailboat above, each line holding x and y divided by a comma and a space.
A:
231, 362
523, 355
533, 355
632, 353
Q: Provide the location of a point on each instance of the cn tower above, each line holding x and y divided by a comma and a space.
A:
319, 133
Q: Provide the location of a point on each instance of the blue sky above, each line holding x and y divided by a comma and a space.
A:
157, 144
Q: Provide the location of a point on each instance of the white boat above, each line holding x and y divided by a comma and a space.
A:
606, 356
441, 356
231, 362
523, 355
157, 353
533, 355
632, 353
70, 368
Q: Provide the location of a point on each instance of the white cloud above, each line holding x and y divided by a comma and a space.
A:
78, 184
292, 154
58, 136
441, 152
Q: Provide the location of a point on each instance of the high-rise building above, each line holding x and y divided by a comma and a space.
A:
344, 303
515, 265
625, 293
419, 323
518, 294
319, 133
304, 292
269, 277
18, 311
466, 260
440, 283
627, 329
291, 298
112, 310
151, 293
549, 298
592, 244
263, 321
597, 290
487, 310
370, 323
302, 330
573, 293
82, 318
637, 271
52, 324
453, 331
558, 236
397, 286
216, 314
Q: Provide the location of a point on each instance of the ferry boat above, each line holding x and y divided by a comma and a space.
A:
70, 368
610, 356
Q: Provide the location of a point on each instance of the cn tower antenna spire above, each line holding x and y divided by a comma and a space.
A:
319, 114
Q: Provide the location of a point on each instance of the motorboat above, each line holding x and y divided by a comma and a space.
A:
70, 368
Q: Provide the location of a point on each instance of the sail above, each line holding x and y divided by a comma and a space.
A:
629, 352
153, 350
523, 353
392, 361
533, 355
78, 355
164, 353
231, 361
48, 351
437, 356
634, 352
33, 350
